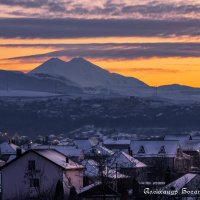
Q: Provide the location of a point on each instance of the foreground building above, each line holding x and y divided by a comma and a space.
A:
40, 173
186, 187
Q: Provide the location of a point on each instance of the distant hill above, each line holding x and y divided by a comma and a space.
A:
11, 80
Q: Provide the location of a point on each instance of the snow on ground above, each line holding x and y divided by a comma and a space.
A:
25, 93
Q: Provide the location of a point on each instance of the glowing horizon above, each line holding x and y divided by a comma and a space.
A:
157, 43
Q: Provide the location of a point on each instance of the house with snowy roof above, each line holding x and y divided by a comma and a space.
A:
190, 144
84, 144
93, 169
73, 152
178, 137
98, 191
101, 172
161, 156
8, 151
117, 145
126, 164
97, 151
192, 148
186, 187
41, 172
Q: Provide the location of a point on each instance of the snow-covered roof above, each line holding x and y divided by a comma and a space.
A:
92, 169
181, 182
112, 173
156, 148
196, 137
105, 150
11, 157
177, 137
152, 183
88, 187
84, 144
186, 142
116, 142
96, 191
102, 150
124, 160
58, 158
70, 151
190, 145
52, 156
7, 148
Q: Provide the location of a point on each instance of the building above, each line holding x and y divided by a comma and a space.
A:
98, 191
85, 144
186, 187
93, 171
99, 151
189, 145
117, 145
161, 156
128, 165
73, 152
40, 173
8, 151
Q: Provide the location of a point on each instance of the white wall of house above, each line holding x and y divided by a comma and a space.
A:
16, 181
72, 178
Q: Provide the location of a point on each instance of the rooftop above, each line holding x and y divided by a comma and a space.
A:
151, 148
58, 158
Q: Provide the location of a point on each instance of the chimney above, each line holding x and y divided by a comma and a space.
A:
130, 151
67, 159
18, 152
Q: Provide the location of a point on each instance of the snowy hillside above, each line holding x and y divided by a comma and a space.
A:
10, 81
24, 93
88, 75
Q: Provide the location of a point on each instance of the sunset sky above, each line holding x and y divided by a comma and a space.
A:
156, 41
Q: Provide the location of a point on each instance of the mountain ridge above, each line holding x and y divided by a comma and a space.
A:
89, 75
81, 77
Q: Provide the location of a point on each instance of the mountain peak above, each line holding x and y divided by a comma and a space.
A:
86, 74
54, 60
79, 60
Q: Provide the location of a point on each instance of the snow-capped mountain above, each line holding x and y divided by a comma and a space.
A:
18, 81
81, 77
88, 76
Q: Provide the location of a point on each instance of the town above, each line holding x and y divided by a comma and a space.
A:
99, 100
97, 166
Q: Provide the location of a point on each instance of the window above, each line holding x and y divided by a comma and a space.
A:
162, 149
31, 165
141, 150
35, 182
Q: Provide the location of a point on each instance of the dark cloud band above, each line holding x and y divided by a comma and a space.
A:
82, 28
152, 9
117, 51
